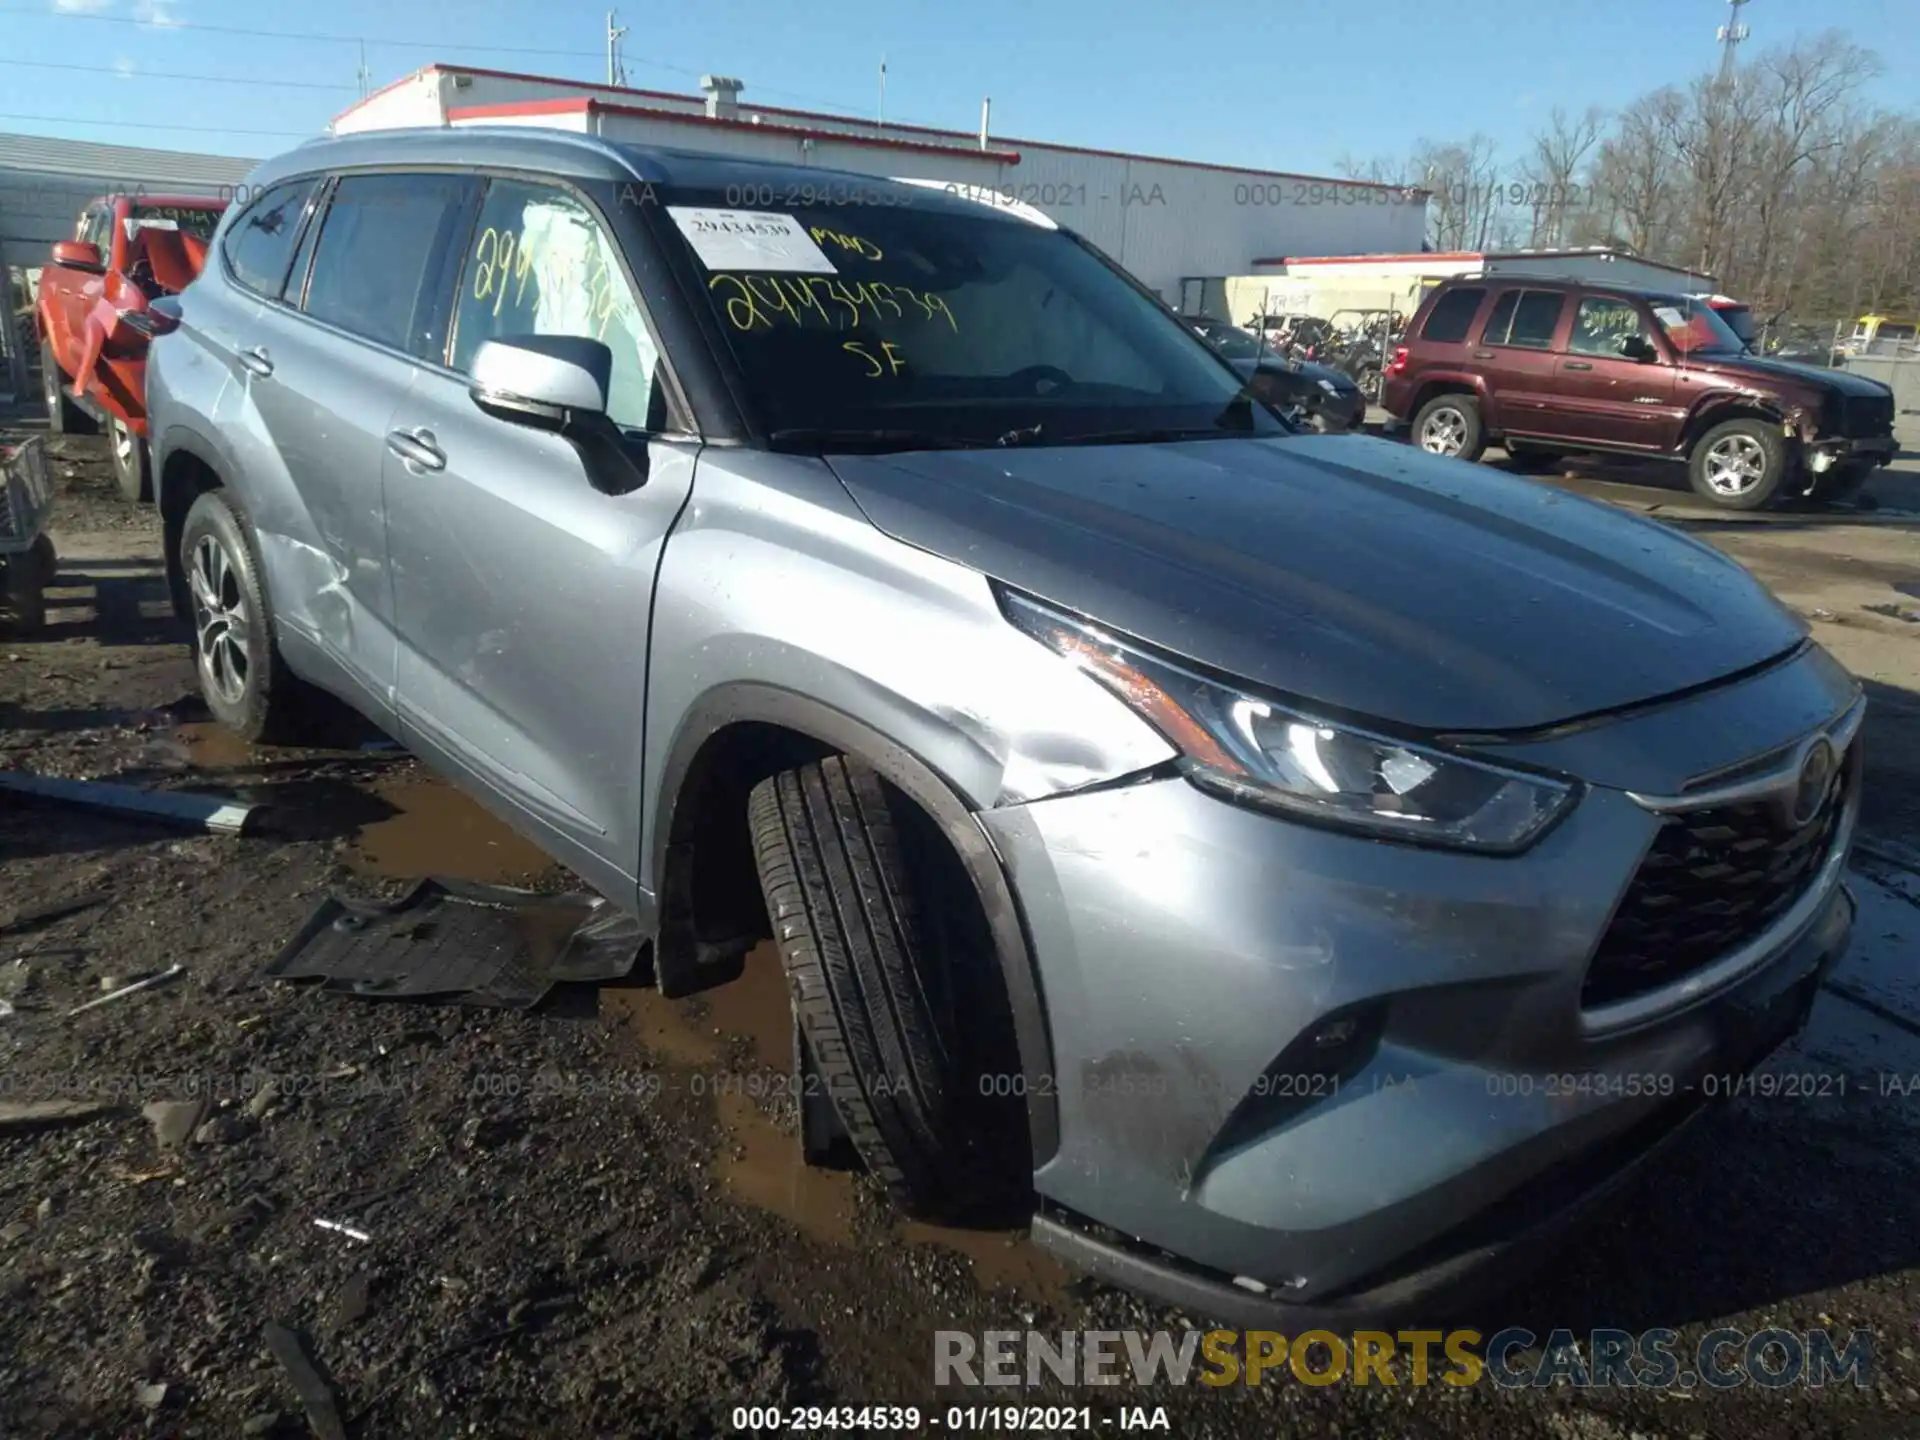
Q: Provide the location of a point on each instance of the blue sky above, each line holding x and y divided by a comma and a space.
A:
1288, 85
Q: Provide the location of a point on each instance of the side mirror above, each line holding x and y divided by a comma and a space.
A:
78, 255
558, 383
1638, 347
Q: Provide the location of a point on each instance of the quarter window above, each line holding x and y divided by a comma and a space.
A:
384, 237
1524, 318
540, 263
260, 241
1452, 314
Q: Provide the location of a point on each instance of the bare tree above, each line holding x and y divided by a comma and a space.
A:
1554, 172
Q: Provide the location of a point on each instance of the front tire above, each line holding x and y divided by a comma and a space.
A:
1843, 484
1739, 465
242, 676
870, 1006
1450, 425
64, 417
132, 465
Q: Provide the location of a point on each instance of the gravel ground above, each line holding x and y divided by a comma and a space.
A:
591, 1219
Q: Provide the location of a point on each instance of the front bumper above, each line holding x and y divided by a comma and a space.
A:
1838, 450
1184, 943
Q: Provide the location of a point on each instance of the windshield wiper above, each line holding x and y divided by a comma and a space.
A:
871, 441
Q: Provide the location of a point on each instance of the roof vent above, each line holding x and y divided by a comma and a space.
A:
723, 96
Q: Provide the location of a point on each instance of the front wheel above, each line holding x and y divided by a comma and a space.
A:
132, 467
1450, 425
871, 987
245, 682
1739, 465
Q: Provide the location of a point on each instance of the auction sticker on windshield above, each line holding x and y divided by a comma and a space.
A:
750, 240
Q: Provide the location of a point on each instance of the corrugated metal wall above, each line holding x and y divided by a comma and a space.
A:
45, 182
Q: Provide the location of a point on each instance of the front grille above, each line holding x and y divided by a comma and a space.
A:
1713, 880
1866, 417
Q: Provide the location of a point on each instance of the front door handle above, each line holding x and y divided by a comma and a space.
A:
417, 447
257, 360
1483, 354
1575, 365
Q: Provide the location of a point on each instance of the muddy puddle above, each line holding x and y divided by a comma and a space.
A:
431, 828
761, 1163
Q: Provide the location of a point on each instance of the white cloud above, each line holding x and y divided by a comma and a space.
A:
80, 7
158, 13
122, 65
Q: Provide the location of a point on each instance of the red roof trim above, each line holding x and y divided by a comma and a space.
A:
577, 104
962, 135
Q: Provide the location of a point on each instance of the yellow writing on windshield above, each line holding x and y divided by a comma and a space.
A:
857, 244
895, 361
752, 302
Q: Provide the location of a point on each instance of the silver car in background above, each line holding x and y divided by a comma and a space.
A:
1302, 872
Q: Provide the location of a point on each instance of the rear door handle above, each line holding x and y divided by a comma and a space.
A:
1575, 365
417, 447
1483, 354
257, 360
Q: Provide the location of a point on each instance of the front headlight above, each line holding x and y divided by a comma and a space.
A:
1260, 752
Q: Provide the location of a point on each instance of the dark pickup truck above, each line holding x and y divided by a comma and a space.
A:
1548, 367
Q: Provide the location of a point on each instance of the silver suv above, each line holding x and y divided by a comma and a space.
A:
1312, 868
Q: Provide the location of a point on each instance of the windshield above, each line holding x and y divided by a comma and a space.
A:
952, 328
1692, 326
196, 220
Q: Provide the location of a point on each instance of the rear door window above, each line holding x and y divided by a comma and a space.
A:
384, 238
260, 241
1452, 314
1525, 319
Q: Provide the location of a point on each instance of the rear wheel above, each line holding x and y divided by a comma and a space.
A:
64, 417
131, 469
245, 682
1450, 425
873, 990
1739, 465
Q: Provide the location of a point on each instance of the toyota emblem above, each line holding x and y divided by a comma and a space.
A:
1810, 790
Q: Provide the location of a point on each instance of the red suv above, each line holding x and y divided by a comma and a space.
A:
1547, 367
93, 318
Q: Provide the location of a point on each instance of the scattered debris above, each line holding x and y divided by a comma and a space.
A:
346, 1230
262, 1424
32, 917
152, 1397
41, 1114
6, 1009
216, 813
262, 1099
220, 1130
481, 944
356, 1297
171, 973
142, 1177
1895, 611
173, 1121
18, 1230
316, 1392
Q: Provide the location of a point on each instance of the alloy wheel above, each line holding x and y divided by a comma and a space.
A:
1445, 432
121, 434
220, 621
1736, 464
